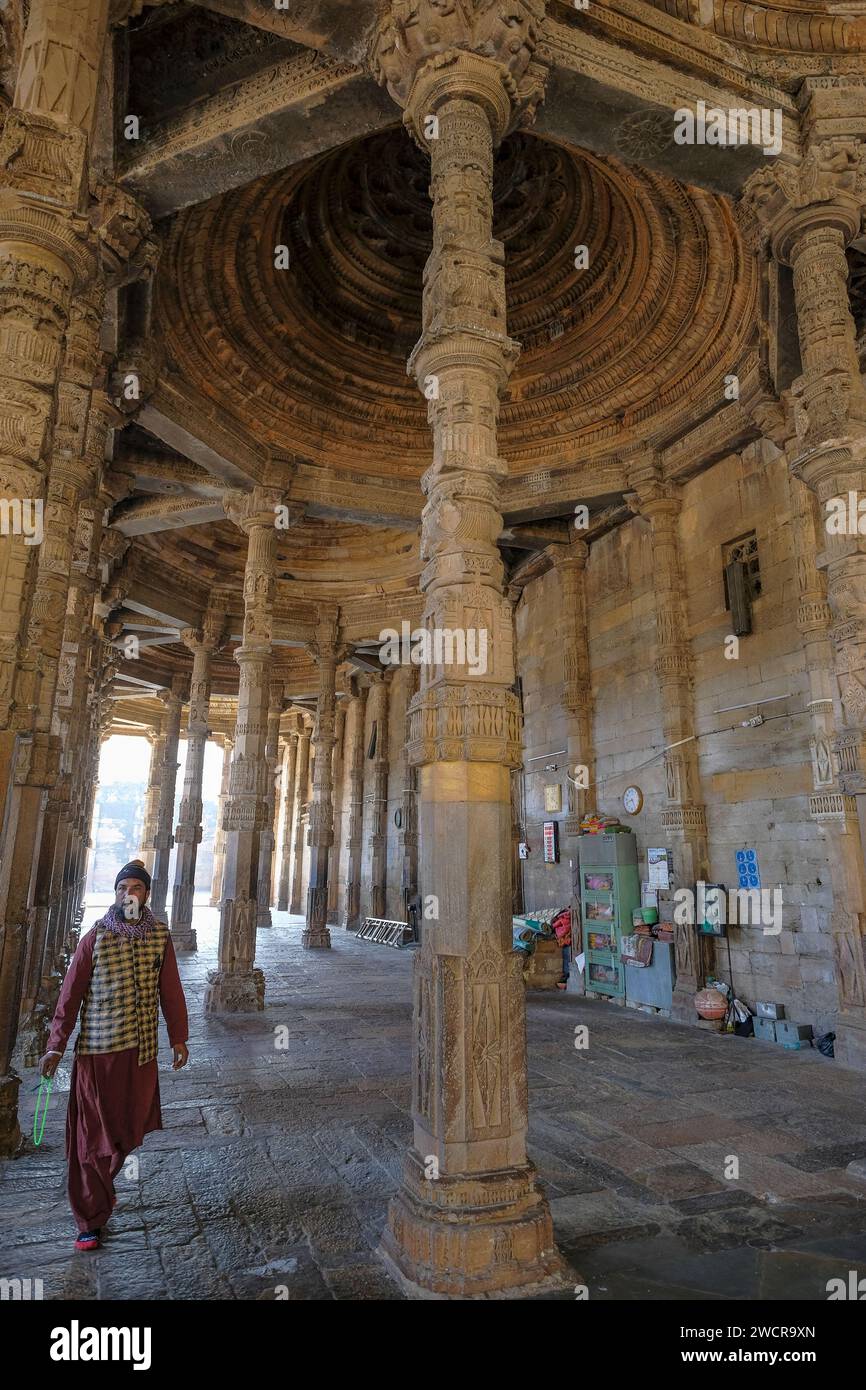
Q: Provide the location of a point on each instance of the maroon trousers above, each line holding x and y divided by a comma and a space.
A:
91, 1188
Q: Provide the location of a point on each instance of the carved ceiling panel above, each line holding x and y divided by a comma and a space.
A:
312, 358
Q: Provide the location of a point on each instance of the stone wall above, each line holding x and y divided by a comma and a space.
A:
755, 783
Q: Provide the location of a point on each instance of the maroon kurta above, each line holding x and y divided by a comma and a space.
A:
113, 1102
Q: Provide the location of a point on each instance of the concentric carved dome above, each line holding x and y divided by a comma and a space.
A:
313, 357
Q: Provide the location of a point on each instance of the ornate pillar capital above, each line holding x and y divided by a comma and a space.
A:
782, 202
429, 51
122, 227
569, 559
651, 495
256, 509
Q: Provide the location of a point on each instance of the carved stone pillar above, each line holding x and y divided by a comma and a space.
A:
408, 837
202, 643
46, 255
379, 696
275, 829
808, 215
337, 784
267, 841
355, 840
320, 834
302, 773
236, 985
163, 840
684, 817
156, 739
469, 1218
219, 851
290, 759
570, 562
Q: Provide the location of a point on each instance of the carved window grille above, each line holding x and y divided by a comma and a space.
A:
744, 550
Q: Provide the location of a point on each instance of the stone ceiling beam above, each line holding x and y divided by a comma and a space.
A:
296, 108
154, 601
203, 433
144, 516
338, 27
604, 98
163, 473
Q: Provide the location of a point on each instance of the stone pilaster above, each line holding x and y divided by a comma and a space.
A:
808, 215
237, 985
469, 1218
684, 817
202, 642
290, 759
378, 820
320, 832
302, 773
219, 852
337, 784
267, 840
570, 563
163, 840
355, 840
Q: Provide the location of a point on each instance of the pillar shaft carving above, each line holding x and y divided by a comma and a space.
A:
219, 852
267, 841
163, 840
378, 818
469, 1063
355, 837
290, 759
236, 985
320, 829
151, 800
302, 777
202, 643
337, 783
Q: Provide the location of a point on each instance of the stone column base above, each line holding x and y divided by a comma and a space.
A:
316, 938
472, 1236
11, 1138
184, 938
234, 994
264, 918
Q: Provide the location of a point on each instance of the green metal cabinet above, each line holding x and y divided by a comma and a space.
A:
609, 893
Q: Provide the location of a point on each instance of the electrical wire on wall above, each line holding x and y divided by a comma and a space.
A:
754, 722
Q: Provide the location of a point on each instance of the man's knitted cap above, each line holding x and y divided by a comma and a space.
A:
134, 869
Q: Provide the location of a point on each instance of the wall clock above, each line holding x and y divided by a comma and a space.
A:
632, 800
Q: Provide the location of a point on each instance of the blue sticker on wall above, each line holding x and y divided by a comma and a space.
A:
748, 871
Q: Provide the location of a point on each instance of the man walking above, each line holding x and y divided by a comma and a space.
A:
122, 967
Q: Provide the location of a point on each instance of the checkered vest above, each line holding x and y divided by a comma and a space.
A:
121, 1006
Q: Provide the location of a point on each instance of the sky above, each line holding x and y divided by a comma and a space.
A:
126, 758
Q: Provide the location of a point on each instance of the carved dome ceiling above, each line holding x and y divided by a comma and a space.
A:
313, 359
315, 559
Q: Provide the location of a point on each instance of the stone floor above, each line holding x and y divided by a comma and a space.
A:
276, 1163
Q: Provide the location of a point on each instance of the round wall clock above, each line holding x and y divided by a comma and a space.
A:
632, 800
